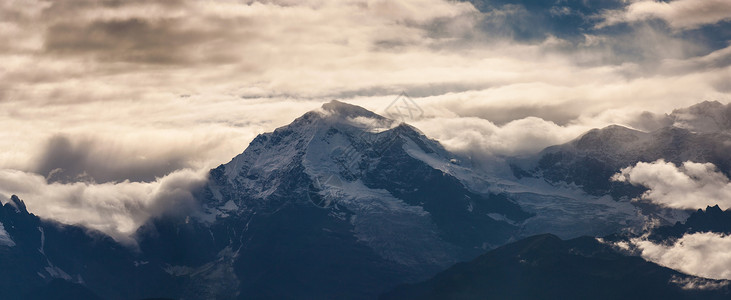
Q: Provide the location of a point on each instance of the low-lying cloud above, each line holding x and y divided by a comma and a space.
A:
689, 186
483, 140
701, 254
116, 209
86, 159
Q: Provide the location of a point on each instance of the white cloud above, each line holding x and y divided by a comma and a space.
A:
679, 14
481, 139
690, 186
202, 132
705, 254
116, 209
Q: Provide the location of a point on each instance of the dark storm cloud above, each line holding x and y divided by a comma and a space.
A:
14, 15
72, 9
153, 34
556, 113
415, 90
85, 159
132, 40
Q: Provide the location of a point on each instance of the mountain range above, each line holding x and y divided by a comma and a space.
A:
345, 203
700, 133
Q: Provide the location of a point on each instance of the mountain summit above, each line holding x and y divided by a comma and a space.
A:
346, 110
342, 194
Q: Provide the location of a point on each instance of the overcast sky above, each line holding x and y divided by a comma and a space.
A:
120, 96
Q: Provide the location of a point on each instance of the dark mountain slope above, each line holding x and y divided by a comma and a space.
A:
46, 258
545, 267
590, 160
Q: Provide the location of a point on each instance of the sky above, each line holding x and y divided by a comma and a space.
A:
112, 110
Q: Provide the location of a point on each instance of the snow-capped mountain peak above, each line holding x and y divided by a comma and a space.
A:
332, 140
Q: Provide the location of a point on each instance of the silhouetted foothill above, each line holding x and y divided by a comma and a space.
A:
545, 267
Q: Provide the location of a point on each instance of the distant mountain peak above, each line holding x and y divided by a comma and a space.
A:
704, 117
18, 204
702, 107
714, 209
610, 137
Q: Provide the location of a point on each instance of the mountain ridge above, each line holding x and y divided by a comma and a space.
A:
342, 177
546, 267
356, 203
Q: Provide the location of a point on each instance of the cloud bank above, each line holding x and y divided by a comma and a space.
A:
116, 209
701, 254
481, 139
110, 94
689, 186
